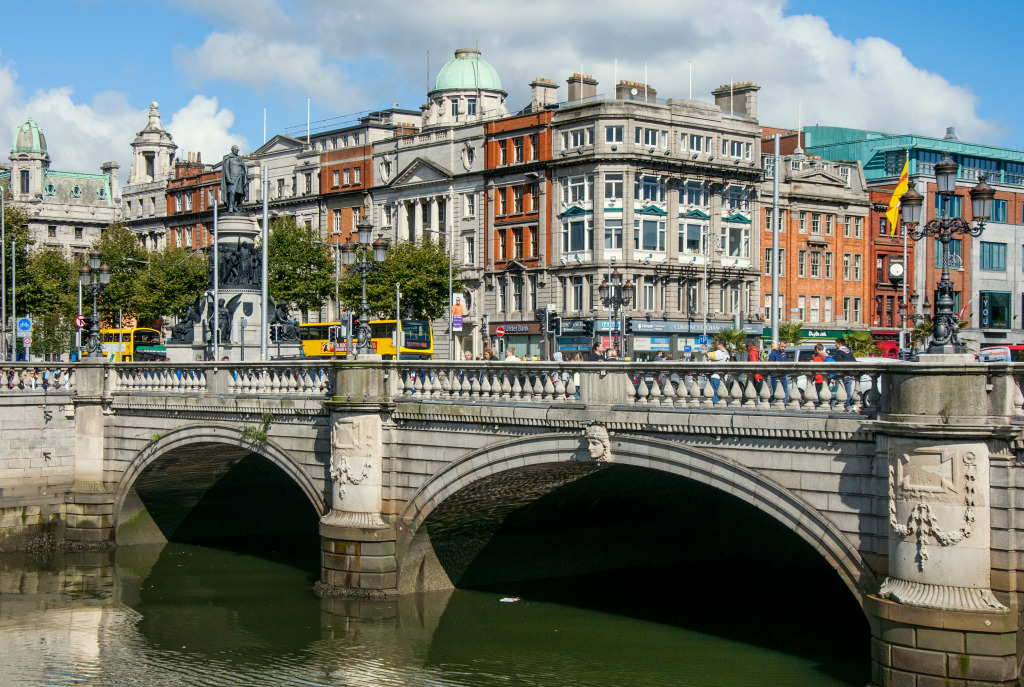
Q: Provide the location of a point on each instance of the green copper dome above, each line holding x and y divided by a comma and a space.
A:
467, 72
29, 138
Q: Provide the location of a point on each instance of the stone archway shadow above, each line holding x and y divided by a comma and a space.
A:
702, 466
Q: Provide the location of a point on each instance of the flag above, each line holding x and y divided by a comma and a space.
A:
893, 213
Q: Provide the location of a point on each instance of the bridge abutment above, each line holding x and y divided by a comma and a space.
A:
89, 505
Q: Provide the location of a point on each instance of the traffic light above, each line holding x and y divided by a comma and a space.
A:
588, 328
627, 325
554, 323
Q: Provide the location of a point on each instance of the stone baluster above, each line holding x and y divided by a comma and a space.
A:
538, 388
506, 385
825, 397
750, 392
559, 386
445, 387
653, 390
707, 393
668, 391
841, 396
764, 395
795, 395
570, 387
735, 391
810, 395
517, 387
1018, 398
426, 386
549, 388
475, 384
485, 384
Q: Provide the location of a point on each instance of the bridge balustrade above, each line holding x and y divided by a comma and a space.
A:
37, 378
275, 378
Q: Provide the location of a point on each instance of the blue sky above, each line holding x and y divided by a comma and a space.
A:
86, 70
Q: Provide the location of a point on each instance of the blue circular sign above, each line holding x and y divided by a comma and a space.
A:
24, 324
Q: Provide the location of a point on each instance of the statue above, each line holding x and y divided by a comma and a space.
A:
225, 313
184, 331
287, 328
234, 180
598, 443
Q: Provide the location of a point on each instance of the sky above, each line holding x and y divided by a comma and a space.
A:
86, 70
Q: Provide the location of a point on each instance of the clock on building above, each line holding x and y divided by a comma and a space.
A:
896, 271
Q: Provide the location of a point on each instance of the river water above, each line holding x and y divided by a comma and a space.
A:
183, 614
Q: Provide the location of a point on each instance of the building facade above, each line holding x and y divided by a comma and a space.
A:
144, 198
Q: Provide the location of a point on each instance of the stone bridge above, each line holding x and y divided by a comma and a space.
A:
901, 477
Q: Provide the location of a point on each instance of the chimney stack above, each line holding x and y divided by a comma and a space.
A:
631, 90
738, 98
543, 92
111, 169
581, 86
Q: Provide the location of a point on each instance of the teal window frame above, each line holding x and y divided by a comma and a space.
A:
993, 256
995, 309
955, 205
955, 248
999, 211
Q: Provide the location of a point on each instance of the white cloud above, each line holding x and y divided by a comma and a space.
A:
865, 82
200, 127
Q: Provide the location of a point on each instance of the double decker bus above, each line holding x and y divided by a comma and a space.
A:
328, 339
132, 344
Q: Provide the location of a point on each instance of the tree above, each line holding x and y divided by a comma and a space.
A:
735, 342
422, 271
299, 266
126, 258
176, 276
790, 331
48, 289
861, 343
920, 334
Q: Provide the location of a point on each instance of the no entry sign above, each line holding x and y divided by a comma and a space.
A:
499, 331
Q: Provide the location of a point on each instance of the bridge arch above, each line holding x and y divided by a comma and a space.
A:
199, 434
703, 466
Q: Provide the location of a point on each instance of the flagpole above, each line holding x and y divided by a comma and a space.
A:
904, 343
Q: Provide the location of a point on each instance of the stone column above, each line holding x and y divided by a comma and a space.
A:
401, 221
89, 505
434, 226
357, 545
417, 218
936, 619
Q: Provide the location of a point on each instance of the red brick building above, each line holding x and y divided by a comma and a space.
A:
191, 192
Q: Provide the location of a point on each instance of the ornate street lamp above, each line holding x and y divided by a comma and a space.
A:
616, 295
94, 279
946, 324
379, 248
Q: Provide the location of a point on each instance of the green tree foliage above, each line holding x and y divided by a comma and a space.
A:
16, 227
422, 271
127, 259
175, 277
300, 268
48, 290
790, 331
861, 344
735, 342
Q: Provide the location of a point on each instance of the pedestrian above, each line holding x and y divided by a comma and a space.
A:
468, 355
778, 355
754, 356
844, 355
510, 354
719, 355
819, 357
597, 353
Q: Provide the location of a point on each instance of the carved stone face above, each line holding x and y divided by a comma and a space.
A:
598, 443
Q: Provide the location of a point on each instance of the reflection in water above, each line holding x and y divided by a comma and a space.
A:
190, 615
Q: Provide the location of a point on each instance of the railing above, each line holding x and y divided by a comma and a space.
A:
37, 378
303, 378
852, 388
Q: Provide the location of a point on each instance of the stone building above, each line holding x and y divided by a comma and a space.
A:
144, 197
65, 209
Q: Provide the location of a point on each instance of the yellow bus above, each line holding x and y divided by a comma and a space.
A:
132, 344
326, 339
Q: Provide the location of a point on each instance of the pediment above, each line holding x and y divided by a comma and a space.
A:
576, 210
514, 266
421, 171
817, 176
280, 144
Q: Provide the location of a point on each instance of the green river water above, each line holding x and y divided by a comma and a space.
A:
183, 614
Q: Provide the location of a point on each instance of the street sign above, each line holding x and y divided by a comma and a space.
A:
24, 327
80, 321
704, 347
27, 340
499, 331
702, 340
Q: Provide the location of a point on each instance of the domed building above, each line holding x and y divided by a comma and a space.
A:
65, 209
144, 205
467, 90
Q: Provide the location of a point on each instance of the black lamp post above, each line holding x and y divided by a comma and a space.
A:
946, 324
364, 268
616, 295
94, 279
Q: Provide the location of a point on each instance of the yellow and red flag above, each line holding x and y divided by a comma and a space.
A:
893, 213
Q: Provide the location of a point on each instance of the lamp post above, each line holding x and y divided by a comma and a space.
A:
946, 323
94, 279
615, 295
364, 268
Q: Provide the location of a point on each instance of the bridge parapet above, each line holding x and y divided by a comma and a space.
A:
300, 378
37, 377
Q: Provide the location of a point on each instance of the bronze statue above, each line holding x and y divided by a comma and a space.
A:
234, 180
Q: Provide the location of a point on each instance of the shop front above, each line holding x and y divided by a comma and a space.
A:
526, 337
681, 339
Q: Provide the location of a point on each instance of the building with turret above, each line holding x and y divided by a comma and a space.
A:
65, 209
145, 205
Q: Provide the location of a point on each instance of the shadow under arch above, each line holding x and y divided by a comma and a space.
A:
200, 436
706, 467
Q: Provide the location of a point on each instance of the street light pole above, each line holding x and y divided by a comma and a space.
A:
94, 279
946, 323
364, 268
615, 295
3, 279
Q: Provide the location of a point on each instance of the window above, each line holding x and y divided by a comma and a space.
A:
858, 268
78, 233
534, 198
695, 194
209, 197
470, 244
517, 293
51, 231
577, 235
815, 224
517, 149
999, 211
848, 227
577, 138
517, 242
801, 308
502, 152
736, 240
954, 250
309, 182
188, 237
502, 294
815, 264
649, 188
827, 314
533, 292
735, 198
815, 311
24, 181
691, 288
577, 189
649, 235
355, 178
829, 225
613, 134
995, 309
280, 185
883, 225
470, 204
534, 147
499, 200
613, 234
470, 106
801, 265
828, 264
993, 256
455, 108
188, 202
768, 262
575, 300
652, 137
803, 222
953, 205
847, 302
857, 310
690, 238
649, 294
337, 221
858, 227
517, 199
613, 186
502, 245
177, 203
